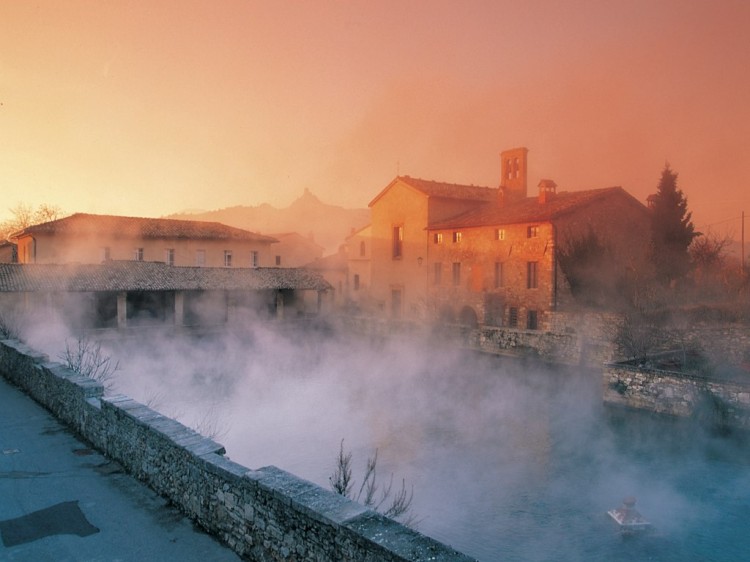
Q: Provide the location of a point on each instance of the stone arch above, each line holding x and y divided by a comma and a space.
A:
468, 317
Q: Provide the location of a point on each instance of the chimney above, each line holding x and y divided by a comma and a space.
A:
513, 174
547, 190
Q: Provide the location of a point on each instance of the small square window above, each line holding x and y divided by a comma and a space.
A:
138, 254
200, 258
169, 256
227, 258
513, 317
437, 273
254, 258
499, 234
456, 237
532, 231
278, 260
438, 238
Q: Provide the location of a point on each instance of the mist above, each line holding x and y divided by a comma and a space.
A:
507, 459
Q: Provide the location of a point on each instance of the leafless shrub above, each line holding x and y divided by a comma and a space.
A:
9, 328
86, 358
211, 426
394, 504
341, 479
637, 336
155, 401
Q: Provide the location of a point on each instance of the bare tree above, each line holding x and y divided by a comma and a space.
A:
25, 215
10, 325
708, 251
86, 358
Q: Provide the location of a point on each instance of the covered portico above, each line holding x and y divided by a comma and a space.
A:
133, 294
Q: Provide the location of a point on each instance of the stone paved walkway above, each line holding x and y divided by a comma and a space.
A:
64, 502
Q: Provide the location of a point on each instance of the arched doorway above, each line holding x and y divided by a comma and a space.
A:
468, 317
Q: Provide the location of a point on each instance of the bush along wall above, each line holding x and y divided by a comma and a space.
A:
265, 514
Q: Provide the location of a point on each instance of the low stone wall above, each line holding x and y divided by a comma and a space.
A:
548, 346
576, 340
265, 514
715, 402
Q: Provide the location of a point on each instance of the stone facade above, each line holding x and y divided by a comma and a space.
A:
265, 514
491, 256
508, 257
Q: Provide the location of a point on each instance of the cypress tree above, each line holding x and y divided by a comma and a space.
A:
672, 229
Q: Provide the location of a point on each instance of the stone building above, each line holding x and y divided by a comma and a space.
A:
401, 214
491, 256
294, 250
333, 268
85, 238
359, 267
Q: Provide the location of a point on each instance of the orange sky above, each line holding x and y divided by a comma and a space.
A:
151, 107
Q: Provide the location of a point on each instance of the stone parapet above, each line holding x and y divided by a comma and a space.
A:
266, 514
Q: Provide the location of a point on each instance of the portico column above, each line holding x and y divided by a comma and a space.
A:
122, 309
279, 305
179, 308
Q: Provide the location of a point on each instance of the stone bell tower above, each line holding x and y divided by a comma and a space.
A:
513, 174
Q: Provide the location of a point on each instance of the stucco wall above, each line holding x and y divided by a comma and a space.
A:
265, 514
404, 206
67, 249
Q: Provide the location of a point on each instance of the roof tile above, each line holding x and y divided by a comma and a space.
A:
153, 276
147, 228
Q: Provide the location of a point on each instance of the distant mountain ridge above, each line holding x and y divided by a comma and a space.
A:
329, 225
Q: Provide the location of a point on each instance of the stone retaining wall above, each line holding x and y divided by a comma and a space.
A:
570, 344
716, 402
265, 514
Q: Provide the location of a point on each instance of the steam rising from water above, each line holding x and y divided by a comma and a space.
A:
506, 460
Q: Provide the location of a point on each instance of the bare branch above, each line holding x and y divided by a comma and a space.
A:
341, 479
86, 358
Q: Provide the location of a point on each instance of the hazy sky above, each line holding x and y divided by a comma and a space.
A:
151, 107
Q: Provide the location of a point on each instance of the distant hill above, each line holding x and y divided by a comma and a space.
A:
329, 225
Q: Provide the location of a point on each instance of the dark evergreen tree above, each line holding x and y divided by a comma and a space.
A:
672, 230
588, 266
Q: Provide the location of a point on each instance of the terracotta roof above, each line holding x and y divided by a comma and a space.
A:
135, 227
530, 209
150, 276
444, 190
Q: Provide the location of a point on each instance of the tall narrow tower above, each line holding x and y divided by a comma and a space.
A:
513, 174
